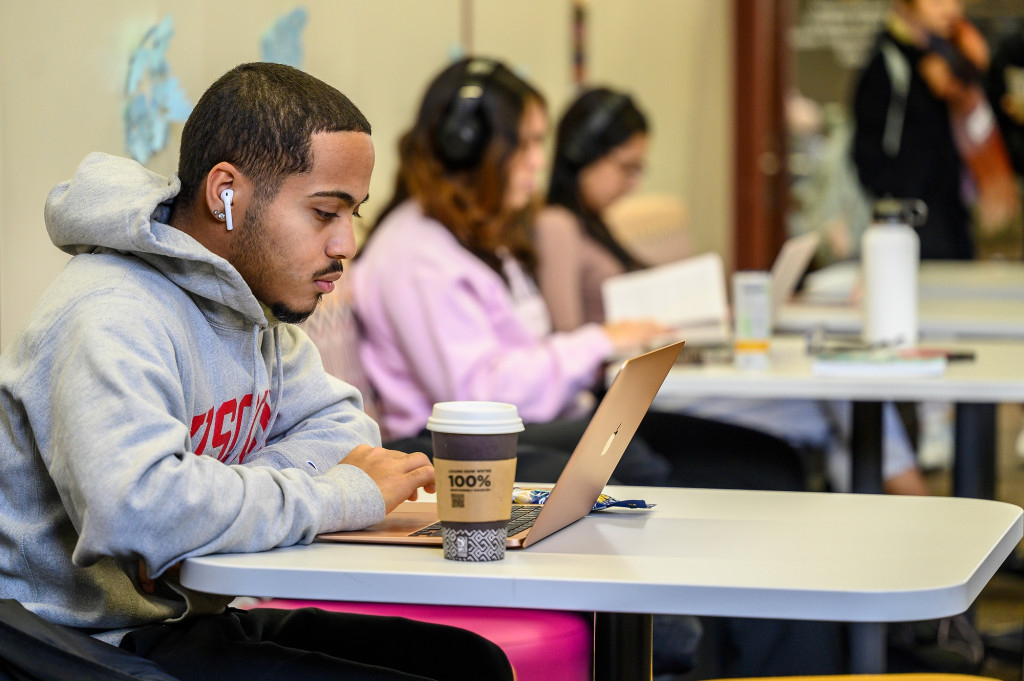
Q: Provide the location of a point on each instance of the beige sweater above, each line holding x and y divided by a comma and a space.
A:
572, 267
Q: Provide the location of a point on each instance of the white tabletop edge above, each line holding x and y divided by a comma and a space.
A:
554, 580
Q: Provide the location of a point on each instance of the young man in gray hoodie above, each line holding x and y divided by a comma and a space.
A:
161, 404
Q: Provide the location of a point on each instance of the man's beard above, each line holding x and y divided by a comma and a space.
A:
251, 253
285, 314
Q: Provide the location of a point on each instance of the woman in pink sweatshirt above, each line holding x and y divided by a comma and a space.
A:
448, 308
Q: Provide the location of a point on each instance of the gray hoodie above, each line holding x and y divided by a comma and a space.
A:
146, 351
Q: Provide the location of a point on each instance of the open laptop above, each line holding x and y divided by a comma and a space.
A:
790, 264
587, 472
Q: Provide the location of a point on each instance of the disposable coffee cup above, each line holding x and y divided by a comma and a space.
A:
474, 468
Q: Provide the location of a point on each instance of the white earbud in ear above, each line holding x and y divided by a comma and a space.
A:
227, 195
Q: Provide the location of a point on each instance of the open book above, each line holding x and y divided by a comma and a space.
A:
688, 296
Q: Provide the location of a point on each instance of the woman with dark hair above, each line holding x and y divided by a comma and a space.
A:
600, 151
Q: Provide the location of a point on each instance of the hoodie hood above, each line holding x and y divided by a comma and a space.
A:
115, 204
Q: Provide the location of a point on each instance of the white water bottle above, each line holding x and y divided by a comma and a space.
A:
890, 254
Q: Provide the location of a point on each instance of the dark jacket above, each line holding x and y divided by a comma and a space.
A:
927, 164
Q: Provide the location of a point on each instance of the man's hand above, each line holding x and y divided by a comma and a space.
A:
397, 474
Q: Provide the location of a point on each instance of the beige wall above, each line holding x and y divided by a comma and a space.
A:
64, 63
676, 57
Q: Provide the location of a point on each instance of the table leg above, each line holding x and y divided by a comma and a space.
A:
868, 647
623, 645
974, 465
866, 447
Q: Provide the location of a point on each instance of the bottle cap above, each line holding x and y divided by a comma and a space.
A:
890, 210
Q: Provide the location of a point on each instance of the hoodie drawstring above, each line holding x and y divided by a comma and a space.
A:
256, 357
278, 370
279, 380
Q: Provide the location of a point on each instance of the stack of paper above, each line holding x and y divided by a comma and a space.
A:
888, 362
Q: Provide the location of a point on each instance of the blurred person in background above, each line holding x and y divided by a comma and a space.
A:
1005, 88
924, 129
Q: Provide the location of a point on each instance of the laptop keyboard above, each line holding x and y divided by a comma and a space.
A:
523, 517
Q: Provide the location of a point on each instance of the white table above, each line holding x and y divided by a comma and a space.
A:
962, 317
857, 558
965, 299
947, 279
957, 300
995, 375
989, 279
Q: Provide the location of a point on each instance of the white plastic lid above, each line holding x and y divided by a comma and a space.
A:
475, 418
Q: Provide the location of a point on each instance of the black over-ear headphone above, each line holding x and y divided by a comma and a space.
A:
579, 146
463, 133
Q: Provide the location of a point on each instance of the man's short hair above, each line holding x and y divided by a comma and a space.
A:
260, 117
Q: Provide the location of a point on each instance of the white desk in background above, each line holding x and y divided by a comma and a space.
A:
946, 279
937, 318
957, 299
991, 279
995, 375
866, 559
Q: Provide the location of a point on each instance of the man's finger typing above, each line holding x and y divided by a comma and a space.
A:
398, 475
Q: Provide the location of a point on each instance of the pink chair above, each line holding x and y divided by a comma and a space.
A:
541, 644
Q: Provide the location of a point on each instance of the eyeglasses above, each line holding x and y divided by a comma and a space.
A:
629, 169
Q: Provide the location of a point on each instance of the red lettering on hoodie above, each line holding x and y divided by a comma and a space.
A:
222, 439
240, 420
222, 426
197, 422
248, 436
253, 441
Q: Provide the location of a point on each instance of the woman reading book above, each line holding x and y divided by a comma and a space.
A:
600, 151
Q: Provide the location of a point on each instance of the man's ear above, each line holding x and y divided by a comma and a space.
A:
223, 183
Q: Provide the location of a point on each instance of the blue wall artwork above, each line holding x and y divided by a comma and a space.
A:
282, 43
155, 97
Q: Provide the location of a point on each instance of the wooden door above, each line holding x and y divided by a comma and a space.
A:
761, 80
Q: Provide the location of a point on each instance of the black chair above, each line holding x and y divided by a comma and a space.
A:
32, 649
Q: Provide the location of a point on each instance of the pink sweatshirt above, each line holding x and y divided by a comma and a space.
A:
438, 324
